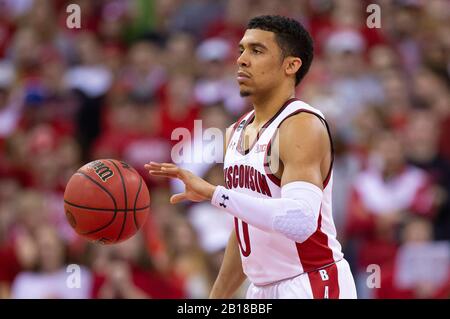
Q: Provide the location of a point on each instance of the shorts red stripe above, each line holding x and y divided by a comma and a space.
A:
324, 283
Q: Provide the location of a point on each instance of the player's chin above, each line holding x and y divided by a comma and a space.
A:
245, 92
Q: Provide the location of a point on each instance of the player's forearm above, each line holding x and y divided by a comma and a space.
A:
231, 275
294, 215
226, 285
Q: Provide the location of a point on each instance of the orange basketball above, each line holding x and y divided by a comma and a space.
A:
106, 201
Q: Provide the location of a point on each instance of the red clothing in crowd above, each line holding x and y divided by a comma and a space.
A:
10, 266
155, 286
373, 200
389, 290
173, 119
444, 140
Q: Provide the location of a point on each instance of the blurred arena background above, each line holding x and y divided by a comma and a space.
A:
138, 69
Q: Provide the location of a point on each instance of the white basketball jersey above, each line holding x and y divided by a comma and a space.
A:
271, 257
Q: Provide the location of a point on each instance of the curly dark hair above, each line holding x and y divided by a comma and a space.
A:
292, 38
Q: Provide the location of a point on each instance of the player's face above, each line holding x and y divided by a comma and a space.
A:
259, 63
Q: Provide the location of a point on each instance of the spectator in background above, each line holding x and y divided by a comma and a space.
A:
231, 25
138, 69
422, 150
132, 131
406, 26
431, 91
91, 79
382, 196
397, 98
49, 277
194, 15
10, 107
349, 84
180, 52
143, 74
125, 271
24, 51
421, 267
156, 229
188, 259
178, 104
10, 264
24, 212
7, 27
199, 153
215, 85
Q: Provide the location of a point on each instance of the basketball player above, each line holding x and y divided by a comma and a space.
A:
278, 177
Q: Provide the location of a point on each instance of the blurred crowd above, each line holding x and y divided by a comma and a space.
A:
138, 69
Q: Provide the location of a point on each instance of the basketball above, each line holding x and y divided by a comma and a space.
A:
106, 201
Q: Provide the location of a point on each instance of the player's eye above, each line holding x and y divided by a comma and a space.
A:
256, 51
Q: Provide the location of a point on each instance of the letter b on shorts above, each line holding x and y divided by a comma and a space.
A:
323, 274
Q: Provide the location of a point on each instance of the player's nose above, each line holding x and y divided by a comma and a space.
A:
242, 60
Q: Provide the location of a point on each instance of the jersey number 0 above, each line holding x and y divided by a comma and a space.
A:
245, 252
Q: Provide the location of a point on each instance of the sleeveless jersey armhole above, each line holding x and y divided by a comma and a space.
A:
276, 180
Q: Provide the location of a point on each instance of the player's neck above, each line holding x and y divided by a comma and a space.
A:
267, 105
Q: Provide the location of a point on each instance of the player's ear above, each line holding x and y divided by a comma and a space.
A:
293, 64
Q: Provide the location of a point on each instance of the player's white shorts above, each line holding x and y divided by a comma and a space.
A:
334, 281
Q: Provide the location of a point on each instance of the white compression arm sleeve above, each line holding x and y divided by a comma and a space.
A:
295, 215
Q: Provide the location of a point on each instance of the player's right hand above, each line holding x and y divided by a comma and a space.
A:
196, 188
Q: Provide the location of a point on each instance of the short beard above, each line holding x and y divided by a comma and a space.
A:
245, 93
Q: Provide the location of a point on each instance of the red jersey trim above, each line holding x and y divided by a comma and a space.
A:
236, 124
314, 253
239, 146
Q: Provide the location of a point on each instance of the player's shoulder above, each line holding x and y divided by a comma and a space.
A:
300, 116
298, 106
304, 132
303, 124
305, 121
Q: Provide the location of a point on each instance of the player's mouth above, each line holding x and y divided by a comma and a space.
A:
242, 76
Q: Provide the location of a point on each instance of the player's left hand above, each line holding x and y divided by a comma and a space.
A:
196, 188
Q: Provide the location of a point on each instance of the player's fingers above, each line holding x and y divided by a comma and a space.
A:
156, 173
153, 166
168, 165
180, 173
162, 174
159, 169
154, 163
171, 170
175, 199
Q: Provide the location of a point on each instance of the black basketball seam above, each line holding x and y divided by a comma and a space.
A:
112, 197
125, 196
135, 202
123, 183
104, 209
123, 226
